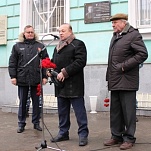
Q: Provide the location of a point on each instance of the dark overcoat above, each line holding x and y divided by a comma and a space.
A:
73, 59
126, 51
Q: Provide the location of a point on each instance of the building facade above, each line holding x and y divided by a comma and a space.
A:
46, 16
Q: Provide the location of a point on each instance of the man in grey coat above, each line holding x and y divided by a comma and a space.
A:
127, 50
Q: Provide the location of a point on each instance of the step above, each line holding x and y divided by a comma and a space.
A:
144, 111
49, 105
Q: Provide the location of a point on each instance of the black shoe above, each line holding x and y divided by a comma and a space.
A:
37, 127
60, 138
83, 141
20, 129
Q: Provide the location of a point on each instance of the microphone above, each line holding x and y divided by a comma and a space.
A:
55, 36
54, 78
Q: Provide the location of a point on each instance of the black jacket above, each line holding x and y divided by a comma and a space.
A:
127, 51
73, 58
22, 53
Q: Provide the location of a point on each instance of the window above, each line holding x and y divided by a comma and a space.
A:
139, 16
144, 13
44, 15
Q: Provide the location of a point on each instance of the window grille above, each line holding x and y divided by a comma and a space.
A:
144, 13
47, 15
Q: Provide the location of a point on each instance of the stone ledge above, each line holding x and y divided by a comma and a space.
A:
48, 109
14, 109
143, 111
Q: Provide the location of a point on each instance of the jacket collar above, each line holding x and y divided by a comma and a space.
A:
127, 27
65, 42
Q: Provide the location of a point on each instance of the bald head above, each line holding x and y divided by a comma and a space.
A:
65, 30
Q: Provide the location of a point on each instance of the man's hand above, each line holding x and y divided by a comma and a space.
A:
44, 81
48, 73
60, 77
14, 81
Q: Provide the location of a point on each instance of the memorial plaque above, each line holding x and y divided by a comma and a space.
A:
97, 12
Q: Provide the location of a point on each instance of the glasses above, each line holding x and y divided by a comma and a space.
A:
30, 32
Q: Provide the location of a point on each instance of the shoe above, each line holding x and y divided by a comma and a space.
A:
111, 142
126, 145
83, 141
37, 127
20, 129
60, 138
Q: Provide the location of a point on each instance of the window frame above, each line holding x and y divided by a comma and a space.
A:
132, 17
25, 11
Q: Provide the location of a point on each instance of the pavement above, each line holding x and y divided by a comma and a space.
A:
99, 129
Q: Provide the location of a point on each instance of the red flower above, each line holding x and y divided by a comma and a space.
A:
106, 100
38, 90
106, 105
46, 63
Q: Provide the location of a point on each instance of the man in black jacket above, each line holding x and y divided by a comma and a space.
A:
126, 52
70, 57
26, 73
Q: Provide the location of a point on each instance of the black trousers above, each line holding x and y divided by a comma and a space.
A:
64, 105
123, 115
23, 95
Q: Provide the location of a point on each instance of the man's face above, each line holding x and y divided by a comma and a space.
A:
118, 25
29, 33
64, 31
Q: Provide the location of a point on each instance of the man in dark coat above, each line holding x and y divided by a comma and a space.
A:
26, 73
70, 57
126, 52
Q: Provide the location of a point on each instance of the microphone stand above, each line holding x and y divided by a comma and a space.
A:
55, 37
44, 142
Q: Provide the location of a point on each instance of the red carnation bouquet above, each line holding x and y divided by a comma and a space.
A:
45, 63
38, 90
